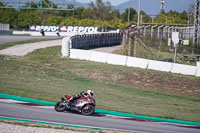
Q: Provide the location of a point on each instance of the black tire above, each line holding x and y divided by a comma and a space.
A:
59, 107
87, 109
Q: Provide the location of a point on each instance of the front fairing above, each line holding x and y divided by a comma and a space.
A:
82, 102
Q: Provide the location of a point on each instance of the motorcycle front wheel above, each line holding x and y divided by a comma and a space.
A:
87, 109
60, 107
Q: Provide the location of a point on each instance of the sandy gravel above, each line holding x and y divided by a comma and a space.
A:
24, 49
15, 38
10, 128
108, 49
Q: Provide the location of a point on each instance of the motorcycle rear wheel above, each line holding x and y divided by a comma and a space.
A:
60, 107
87, 109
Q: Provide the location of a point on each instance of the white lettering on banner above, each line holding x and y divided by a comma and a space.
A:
96, 29
75, 29
54, 28
91, 29
81, 29
46, 28
37, 28
85, 29
70, 29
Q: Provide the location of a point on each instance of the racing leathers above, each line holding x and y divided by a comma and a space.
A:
82, 94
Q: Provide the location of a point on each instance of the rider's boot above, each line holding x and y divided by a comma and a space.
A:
69, 103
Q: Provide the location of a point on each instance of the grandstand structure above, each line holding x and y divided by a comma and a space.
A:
38, 4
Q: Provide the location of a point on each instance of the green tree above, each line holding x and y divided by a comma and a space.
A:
26, 17
87, 13
100, 10
145, 17
115, 14
78, 12
161, 18
8, 16
54, 20
133, 15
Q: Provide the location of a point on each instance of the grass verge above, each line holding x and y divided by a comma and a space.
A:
44, 75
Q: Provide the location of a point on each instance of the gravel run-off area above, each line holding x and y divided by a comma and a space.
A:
10, 128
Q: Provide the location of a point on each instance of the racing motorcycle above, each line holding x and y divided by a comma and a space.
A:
85, 106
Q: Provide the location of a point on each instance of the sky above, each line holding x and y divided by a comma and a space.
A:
113, 2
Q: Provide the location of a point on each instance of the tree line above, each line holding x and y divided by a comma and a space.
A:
99, 14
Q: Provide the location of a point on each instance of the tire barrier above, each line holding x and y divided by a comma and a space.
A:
89, 41
96, 40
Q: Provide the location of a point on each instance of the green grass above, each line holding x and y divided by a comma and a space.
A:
9, 44
44, 75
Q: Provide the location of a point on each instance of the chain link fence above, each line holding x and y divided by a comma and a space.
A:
154, 42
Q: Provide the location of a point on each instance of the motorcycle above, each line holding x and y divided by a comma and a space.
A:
85, 106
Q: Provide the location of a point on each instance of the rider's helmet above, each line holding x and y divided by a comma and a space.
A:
90, 92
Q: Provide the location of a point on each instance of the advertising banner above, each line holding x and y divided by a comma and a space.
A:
50, 28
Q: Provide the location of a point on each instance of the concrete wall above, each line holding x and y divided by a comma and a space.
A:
137, 62
198, 69
160, 65
115, 59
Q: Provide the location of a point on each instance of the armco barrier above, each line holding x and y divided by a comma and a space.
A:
115, 59
137, 62
184, 69
98, 56
160, 65
198, 69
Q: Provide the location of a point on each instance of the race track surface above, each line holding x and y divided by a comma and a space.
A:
96, 120
6, 39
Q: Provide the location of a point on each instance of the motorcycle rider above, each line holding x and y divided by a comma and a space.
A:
82, 94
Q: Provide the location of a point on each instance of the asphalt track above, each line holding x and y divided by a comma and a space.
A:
97, 120
6, 39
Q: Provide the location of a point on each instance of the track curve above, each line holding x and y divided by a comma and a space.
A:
96, 120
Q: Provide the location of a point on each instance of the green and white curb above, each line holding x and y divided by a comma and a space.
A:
120, 114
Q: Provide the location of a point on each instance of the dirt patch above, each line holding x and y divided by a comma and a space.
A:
156, 81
